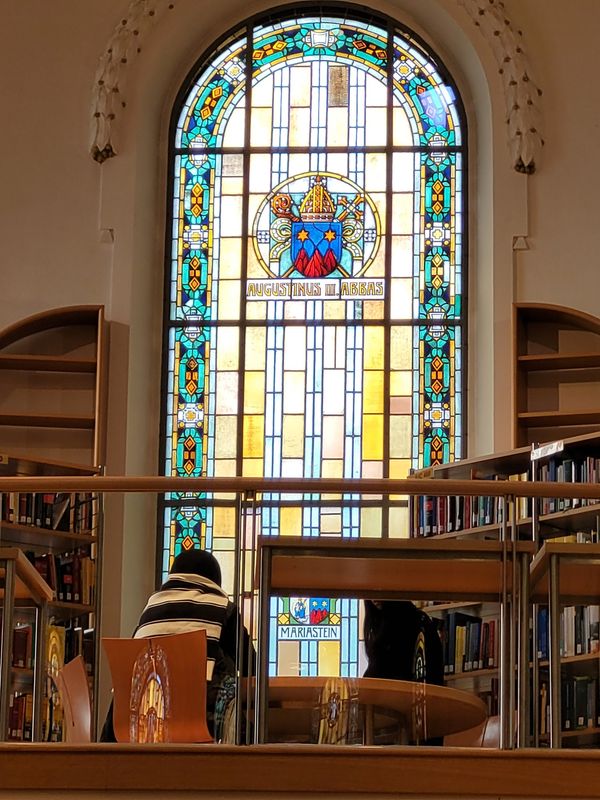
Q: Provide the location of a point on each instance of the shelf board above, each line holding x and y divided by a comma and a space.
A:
474, 673
49, 538
579, 732
559, 361
448, 606
48, 421
546, 419
40, 363
571, 519
66, 609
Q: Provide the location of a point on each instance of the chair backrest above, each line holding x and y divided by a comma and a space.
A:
485, 735
74, 691
159, 688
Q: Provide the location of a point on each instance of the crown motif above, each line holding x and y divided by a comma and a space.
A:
317, 205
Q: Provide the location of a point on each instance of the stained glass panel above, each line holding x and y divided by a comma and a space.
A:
314, 317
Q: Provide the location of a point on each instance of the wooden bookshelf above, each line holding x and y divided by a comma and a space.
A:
556, 361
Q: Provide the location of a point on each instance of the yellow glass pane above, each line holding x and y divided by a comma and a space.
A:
288, 658
260, 173
234, 132
400, 468
333, 391
403, 176
399, 527
372, 442
299, 127
402, 256
229, 299
402, 131
227, 564
231, 216
373, 392
227, 393
337, 163
400, 436
335, 309
227, 349
224, 521
293, 393
255, 268
292, 467
254, 393
373, 351
332, 468
262, 92
337, 127
331, 523
225, 437
300, 86
256, 310
333, 437
372, 469
294, 345
329, 658
401, 347
329, 348
261, 126
294, 310
373, 309
299, 162
225, 467
402, 213
231, 185
292, 445
225, 542
253, 468
375, 172
290, 521
375, 128
370, 523
401, 299
230, 258
254, 431
255, 348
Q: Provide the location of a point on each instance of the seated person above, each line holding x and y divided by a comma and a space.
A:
391, 635
192, 599
402, 643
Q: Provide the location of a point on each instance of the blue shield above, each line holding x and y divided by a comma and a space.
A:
316, 247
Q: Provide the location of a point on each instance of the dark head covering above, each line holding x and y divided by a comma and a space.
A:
197, 562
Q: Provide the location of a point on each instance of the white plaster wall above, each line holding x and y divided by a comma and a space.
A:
56, 206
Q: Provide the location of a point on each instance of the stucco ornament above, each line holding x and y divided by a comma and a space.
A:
108, 97
521, 93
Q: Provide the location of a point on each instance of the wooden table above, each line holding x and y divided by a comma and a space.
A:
416, 711
402, 569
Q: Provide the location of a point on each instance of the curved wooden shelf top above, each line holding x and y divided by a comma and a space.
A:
546, 312
29, 583
47, 320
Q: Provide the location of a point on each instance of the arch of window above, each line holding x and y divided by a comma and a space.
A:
314, 323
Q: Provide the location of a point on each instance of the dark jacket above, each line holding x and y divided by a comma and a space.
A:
391, 635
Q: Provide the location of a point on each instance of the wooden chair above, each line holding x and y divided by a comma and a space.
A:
159, 686
74, 692
485, 735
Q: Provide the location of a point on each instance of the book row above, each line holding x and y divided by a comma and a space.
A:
72, 575
469, 642
20, 716
579, 704
73, 512
579, 631
568, 470
435, 515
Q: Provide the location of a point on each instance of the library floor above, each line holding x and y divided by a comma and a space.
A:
152, 771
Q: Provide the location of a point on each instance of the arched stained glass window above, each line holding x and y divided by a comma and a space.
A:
314, 318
